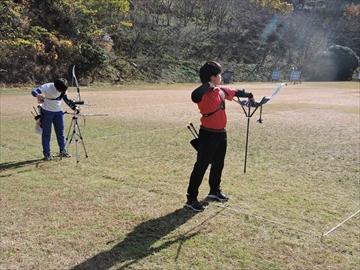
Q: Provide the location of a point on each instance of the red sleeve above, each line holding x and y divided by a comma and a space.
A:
229, 92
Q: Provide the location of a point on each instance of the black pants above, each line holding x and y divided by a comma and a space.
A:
212, 149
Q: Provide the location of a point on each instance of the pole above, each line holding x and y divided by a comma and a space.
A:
249, 114
260, 119
247, 140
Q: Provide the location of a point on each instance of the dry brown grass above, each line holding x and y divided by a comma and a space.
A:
121, 208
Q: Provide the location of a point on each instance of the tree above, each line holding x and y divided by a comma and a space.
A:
277, 5
348, 28
41, 39
338, 63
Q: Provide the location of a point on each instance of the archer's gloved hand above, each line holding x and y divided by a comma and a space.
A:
252, 100
77, 109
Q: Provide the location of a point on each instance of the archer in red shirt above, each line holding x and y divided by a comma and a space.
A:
210, 98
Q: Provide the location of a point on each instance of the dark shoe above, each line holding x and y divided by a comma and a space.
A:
194, 205
218, 196
64, 153
48, 157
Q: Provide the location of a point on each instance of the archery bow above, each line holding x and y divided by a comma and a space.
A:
256, 105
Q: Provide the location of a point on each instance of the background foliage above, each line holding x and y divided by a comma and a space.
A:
121, 41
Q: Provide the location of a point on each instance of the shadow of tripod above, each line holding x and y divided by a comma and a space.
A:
75, 135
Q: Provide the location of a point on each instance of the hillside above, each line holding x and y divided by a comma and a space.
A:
139, 41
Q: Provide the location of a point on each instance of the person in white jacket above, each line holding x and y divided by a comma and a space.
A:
49, 95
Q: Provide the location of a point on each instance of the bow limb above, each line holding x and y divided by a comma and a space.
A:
76, 83
275, 93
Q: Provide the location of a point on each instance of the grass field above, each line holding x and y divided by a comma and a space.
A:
122, 207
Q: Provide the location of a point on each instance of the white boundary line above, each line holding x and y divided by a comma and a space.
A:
341, 223
268, 220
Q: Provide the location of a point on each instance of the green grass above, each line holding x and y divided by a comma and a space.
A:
122, 207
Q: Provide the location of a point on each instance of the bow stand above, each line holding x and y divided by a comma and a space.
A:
75, 134
248, 113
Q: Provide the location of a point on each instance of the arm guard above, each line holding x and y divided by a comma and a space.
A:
36, 92
243, 93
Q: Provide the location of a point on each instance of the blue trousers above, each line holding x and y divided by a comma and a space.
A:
47, 119
212, 149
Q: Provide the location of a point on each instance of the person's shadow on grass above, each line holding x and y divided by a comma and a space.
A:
18, 164
138, 244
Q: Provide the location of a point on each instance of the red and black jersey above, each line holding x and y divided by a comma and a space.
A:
213, 116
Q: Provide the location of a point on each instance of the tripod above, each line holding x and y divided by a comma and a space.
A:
249, 114
76, 133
